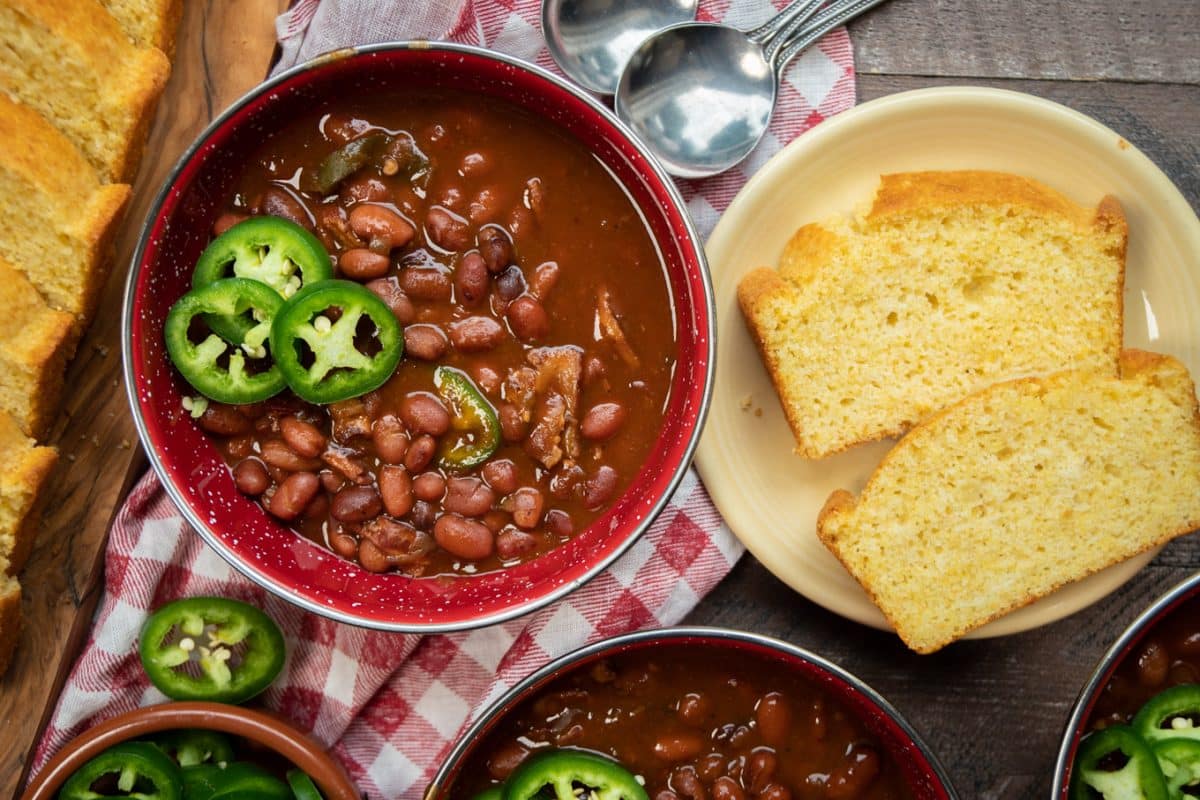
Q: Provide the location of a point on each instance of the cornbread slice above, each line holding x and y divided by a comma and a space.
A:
10, 618
25, 469
150, 23
1019, 489
70, 61
61, 218
38, 342
952, 281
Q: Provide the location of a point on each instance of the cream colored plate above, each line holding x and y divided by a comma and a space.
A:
768, 495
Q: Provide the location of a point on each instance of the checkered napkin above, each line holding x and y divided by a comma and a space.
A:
391, 705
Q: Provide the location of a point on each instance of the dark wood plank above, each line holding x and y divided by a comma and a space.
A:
1057, 39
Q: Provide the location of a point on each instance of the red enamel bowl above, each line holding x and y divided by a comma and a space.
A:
918, 768
200, 483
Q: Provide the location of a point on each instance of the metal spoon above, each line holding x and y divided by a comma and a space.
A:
700, 95
592, 39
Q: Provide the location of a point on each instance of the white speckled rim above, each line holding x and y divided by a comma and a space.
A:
693, 244
705, 635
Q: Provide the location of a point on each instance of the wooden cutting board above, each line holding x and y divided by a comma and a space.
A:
223, 49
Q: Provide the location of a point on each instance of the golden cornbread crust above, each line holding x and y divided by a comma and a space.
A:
26, 471
151, 23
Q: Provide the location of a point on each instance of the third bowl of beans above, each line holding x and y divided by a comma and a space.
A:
546, 278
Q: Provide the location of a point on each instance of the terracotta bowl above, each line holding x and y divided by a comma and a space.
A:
200, 483
924, 776
1179, 605
278, 736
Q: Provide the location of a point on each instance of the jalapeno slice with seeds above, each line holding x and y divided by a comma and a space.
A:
321, 350
216, 366
211, 648
472, 418
573, 775
1170, 714
1116, 764
195, 746
1179, 760
141, 771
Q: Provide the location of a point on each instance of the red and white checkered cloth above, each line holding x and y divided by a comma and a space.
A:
391, 705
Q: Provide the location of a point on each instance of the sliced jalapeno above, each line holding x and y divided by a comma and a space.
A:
1170, 714
302, 786
211, 648
141, 769
1179, 760
240, 780
344, 162
1136, 778
217, 366
270, 250
571, 774
318, 345
195, 746
473, 419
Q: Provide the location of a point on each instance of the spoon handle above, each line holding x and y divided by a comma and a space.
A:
783, 25
836, 13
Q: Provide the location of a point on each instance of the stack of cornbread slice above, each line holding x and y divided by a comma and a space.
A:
79, 80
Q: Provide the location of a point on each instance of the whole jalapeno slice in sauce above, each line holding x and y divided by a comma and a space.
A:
1138, 777
211, 648
570, 774
270, 250
316, 342
240, 780
216, 367
193, 746
1170, 714
141, 770
472, 418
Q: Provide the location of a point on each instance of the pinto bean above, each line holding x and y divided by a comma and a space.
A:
1153, 663
381, 226
512, 426
396, 490
558, 523
356, 504
775, 791
510, 283
250, 477
390, 439
344, 545
420, 453
226, 220
694, 708
495, 246
687, 783
501, 475
426, 284
527, 318
463, 538
476, 334
602, 421
488, 379
447, 230
485, 206
424, 341
678, 746
388, 290
372, 558
276, 453
331, 481
277, 202
599, 489
304, 438
774, 718
471, 279
544, 278
423, 515
223, 420
527, 505
429, 486
424, 413
239, 446
506, 758
293, 495
852, 777
760, 769
363, 188
726, 788
468, 496
513, 543
361, 264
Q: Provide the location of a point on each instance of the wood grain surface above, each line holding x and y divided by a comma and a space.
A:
224, 49
993, 710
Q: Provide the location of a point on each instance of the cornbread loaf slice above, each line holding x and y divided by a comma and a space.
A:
952, 281
25, 469
1019, 489
60, 218
10, 618
70, 61
150, 23
37, 343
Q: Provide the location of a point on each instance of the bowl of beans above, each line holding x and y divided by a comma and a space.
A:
418, 337
691, 714
1134, 731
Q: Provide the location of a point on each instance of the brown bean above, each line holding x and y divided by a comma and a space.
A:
527, 505
1189, 644
361, 264
390, 439
340, 128
396, 490
694, 708
513, 543
381, 226
363, 188
535, 196
527, 318
317, 509
476, 334
602, 421
388, 290
666, 794
686, 783
760, 769
296, 492
471, 279
486, 205
344, 545
223, 420
726, 788
276, 453
421, 412
239, 447
420, 453
512, 426
426, 342
674, 746
521, 222
304, 438
356, 504
558, 523
501, 475
853, 776
423, 515
495, 246
250, 477
469, 496
429, 486
506, 758
600, 487
277, 202
331, 481
447, 230
474, 164
1153, 663
487, 379
774, 718
510, 284
775, 791
544, 278
372, 558
710, 767
348, 463
464, 538
497, 520
426, 283
452, 197
226, 220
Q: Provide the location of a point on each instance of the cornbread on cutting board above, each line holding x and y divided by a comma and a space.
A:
1018, 490
949, 282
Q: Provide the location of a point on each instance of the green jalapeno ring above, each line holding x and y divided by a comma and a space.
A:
472, 417
1139, 778
240, 780
142, 771
339, 370
1179, 760
198, 363
1170, 714
302, 785
562, 771
210, 629
494, 792
192, 746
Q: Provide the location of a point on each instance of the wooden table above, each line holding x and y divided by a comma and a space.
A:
993, 710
